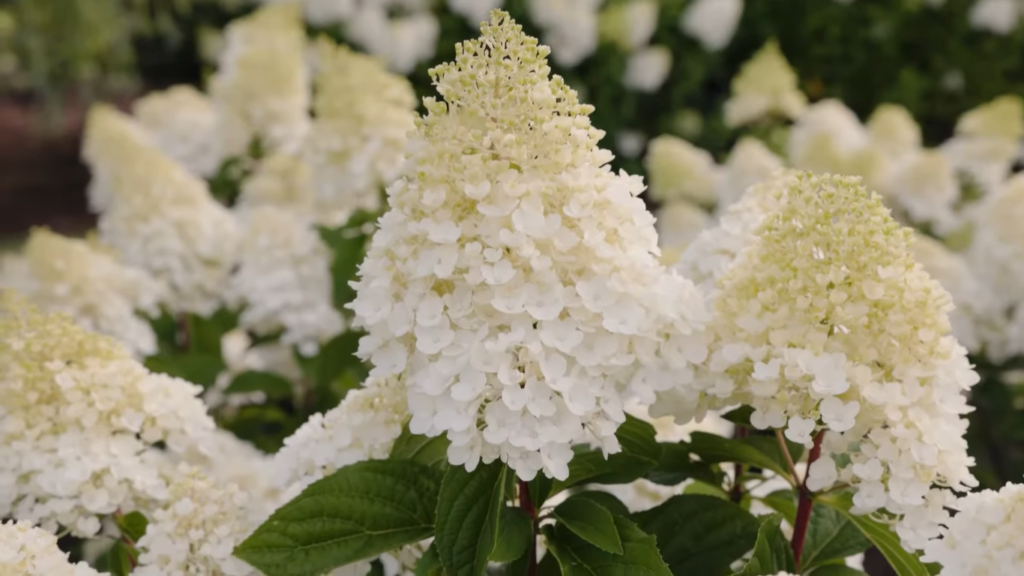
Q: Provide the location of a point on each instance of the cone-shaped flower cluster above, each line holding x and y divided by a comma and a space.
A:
984, 536
79, 419
184, 125
514, 281
29, 551
826, 323
766, 85
158, 216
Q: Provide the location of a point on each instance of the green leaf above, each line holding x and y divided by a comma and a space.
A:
903, 562
836, 570
430, 563
830, 536
348, 244
577, 557
772, 552
769, 445
358, 512
468, 517
376, 568
120, 558
705, 489
783, 502
275, 386
132, 525
640, 453
205, 333
608, 501
198, 368
713, 448
515, 531
740, 416
423, 449
700, 534
590, 521
675, 465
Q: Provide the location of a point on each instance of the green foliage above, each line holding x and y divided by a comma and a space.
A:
358, 512
772, 553
758, 451
640, 454
515, 532
469, 512
578, 557
132, 525
888, 543
276, 387
422, 449
831, 537
591, 522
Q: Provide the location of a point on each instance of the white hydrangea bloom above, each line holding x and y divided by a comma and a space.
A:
403, 42
324, 13
29, 551
987, 141
162, 219
184, 125
629, 24
766, 85
984, 535
226, 459
829, 138
678, 224
283, 280
79, 421
198, 528
996, 16
357, 145
261, 89
826, 324
924, 187
711, 253
892, 128
474, 11
514, 280
102, 295
280, 180
569, 27
679, 170
712, 22
112, 144
647, 69
750, 162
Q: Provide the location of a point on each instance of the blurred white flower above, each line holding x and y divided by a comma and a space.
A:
29, 551
750, 162
569, 27
184, 125
984, 535
766, 85
712, 22
679, 170
629, 24
647, 69
996, 16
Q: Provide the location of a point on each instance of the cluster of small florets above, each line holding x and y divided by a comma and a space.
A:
80, 279
283, 280
826, 323
765, 86
363, 117
984, 535
29, 551
183, 123
159, 217
679, 170
80, 421
514, 280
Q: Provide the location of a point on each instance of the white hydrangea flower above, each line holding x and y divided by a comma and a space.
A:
984, 535
323, 13
712, 22
711, 253
766, 85
29, 551
112, 145
569, 27
647, 69
924, 187
987, 141
184, 125
162, 219
226, 459
261, 90
750, 162
679, 224
357, 145
79, 421
630, 143
474, 11
996, 16
280, 180
892, 128
403, 42
283, 280
679, 170
829, 138
198, 528
102, 295
629, 24
826, 324
514, 280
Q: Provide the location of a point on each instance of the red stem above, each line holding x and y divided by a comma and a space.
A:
803, 511
527, 505
736, 494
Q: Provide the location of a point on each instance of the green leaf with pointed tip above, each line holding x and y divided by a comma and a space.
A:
590, 521
577, 557
610, 502
120, 558
422, 449
358, 512
830, 537
514, 534
469, 509
430, 563
640, 453
705, 489
132, 525
675, 465
903, 562
772, 552
783, 502
750, 451
700, 534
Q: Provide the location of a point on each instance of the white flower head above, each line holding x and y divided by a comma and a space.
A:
29, 551
1002, 117
679, 223
826, 324
647, 69
283, 181
679, 170
112, 144
987, 142
183, 124
750, 162
924, 187
160, 218
474, 11
765, 86
403, 42
712, 22
984, 535
629, 24
83, 281
569, 27
514, 282
893, 129
996, 16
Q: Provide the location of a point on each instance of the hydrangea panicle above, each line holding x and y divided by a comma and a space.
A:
183, 123
766, 85
514, 282
984, 535
29, 551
